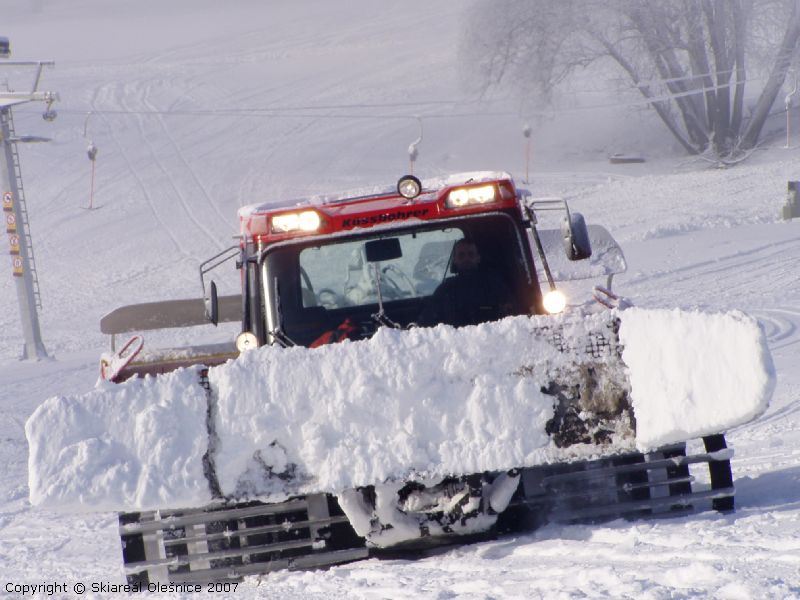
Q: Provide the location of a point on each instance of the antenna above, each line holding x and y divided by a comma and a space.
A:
412, 149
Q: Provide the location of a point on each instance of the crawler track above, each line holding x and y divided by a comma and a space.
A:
228, 542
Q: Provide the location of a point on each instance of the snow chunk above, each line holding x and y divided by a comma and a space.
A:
137, 444
432, 401
694, 374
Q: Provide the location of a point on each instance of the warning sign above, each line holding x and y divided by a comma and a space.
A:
8, 202
13, 240
16, 264
11, 224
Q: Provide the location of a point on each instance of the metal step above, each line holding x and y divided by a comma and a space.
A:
233, 533
680, 500
181, 560
158, 520
221, 543
629, 487
618, 488
586, 474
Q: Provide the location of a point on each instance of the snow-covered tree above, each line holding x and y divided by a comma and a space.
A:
691, 60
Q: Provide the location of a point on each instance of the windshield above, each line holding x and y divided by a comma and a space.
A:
312, 287
338, 275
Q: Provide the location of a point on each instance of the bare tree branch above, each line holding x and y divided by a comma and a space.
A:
780, 67
659, 106
686, 57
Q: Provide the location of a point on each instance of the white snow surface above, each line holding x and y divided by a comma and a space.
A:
339, 87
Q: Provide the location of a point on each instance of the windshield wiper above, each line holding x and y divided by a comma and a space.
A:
380, 317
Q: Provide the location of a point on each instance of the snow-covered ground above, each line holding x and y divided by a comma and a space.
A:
201, 107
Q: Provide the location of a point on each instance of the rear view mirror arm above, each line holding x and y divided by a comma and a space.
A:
539, 249
210, 298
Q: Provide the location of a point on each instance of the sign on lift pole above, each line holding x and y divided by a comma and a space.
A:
15, 212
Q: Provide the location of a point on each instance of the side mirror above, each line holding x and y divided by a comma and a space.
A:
212, 305
382, 250
575, 236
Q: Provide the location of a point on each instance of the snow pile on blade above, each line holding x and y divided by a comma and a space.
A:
421, 403
433, 401
694, 374
140, 444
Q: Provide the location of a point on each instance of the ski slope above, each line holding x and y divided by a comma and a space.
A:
198, 108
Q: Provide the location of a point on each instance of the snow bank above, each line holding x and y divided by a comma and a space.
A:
694, 374
138, 444
425, 402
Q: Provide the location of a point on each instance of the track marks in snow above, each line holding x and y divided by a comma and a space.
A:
708, 555
781, 326
686, 278
166, 193
194, 179
151, 203
168, 181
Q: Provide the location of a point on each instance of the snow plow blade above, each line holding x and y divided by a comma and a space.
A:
296, 458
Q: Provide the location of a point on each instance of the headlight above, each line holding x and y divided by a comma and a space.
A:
470, 195
246, 341
554, 302
409, 187
307, 220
